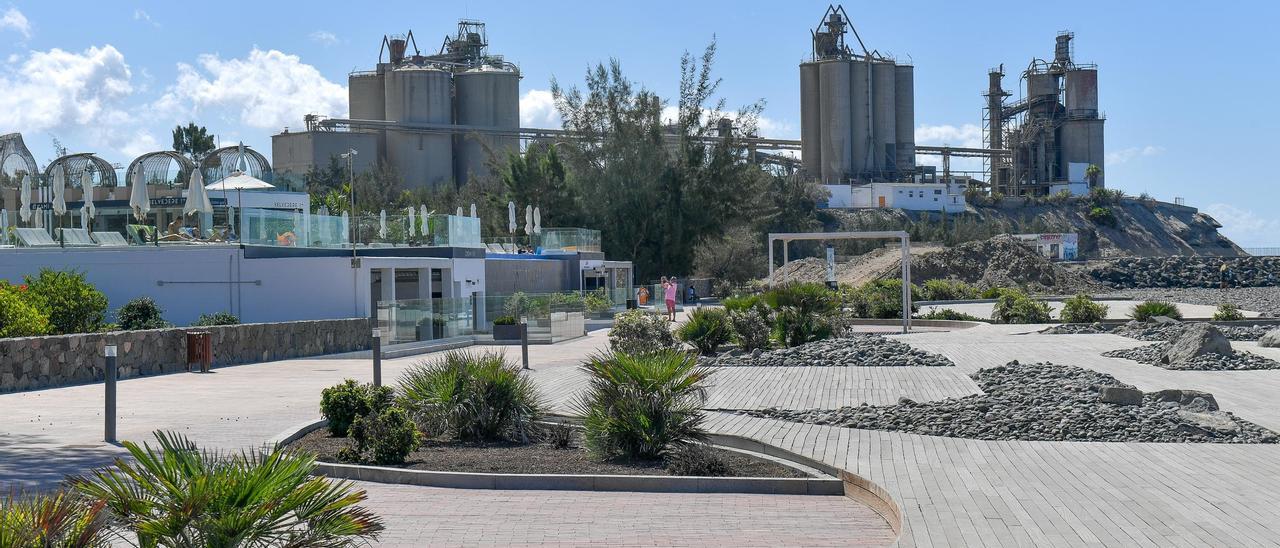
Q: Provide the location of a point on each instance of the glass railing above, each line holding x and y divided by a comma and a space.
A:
273, 227
567, 239
551, 317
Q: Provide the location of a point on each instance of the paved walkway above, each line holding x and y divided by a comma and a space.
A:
951, 492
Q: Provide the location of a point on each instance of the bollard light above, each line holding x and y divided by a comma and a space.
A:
109, 399
377, 356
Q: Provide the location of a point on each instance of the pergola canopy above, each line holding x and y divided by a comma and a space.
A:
157, 166
14, 158
74, 165
222, 162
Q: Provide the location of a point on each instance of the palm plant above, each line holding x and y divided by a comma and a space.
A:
706, 329
471, 396
62, 519
642, 406
178, 495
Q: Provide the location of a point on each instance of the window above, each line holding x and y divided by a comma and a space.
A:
937, 191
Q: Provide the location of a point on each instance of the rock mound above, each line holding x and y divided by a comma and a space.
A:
863, 350
1045, 402
1001, 261
1187, 271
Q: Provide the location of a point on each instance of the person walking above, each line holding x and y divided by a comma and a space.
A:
669, 287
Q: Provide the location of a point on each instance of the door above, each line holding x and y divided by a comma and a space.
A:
881, 200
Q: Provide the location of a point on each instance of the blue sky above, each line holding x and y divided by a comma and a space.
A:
1189, 93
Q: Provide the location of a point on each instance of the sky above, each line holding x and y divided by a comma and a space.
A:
1185, 89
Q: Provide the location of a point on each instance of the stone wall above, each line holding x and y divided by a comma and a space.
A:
28, 363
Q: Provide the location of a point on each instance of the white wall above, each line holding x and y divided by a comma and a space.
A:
841, 196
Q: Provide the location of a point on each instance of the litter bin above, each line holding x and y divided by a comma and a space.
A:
199, 350
631, 304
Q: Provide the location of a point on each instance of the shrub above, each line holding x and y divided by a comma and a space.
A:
471, 396
794, 327
638, 332
881, 299
743, 302
697, 459
72, 304
1147, 310
597, 302
948, 314
217, 318
18, 317
54, 519
342, 403
178, 495
1228, 312
807, 298
750, 328
1082, 309
1103, 216
706, 329
141, 313
384, 437
1014, 306
992, 292
559, 435
642, 406
505, 320
946, 290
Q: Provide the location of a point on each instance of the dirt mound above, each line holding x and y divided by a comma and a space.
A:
809, 269
1001, 261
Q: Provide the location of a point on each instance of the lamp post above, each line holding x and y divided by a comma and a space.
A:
351, 177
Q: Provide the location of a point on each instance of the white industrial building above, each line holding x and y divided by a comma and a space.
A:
943, 197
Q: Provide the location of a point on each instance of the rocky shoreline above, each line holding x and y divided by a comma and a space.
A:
1047, 402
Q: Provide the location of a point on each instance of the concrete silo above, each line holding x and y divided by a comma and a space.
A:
835, 99
905, 116
810, 120
366, 95
485, 97
420, 95
884, 119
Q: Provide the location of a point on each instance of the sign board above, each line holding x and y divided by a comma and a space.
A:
831, 263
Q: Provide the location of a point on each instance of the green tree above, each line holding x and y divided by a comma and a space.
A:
540, 178
1093, 172
192, 140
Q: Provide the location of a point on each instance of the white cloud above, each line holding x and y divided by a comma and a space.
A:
1245, 227
324, 37
16, 21
1124, 155
266, 90
77, 96
538, 110
141, 15
967, 136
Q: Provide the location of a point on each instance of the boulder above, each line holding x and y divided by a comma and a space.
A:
1163, 319
1195, 341
1270, 339
1187, 398
1120, 395
1218, 423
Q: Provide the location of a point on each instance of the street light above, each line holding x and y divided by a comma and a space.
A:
352, 178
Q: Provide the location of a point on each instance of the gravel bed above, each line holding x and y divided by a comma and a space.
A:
1258, 299
861, 350
1236, 361
1042, 402
1154, 332
536, 458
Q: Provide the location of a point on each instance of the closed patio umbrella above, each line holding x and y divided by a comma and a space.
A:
4, 226
87, 211
346, 224
473, 210
382, 224
24, 200
528, 220
138, 199
422, 212
59, 183
537, 221
412, 226
511, 217
459, 211
197, 196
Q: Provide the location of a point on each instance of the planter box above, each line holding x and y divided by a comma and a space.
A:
506, 332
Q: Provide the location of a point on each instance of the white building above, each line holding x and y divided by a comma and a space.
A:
909, 196
1063, 246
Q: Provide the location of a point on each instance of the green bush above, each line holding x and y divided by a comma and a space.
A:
342, 403
946, 290
750, 328
794, 327
217, 318
642, 406
597, 302
1103, 216
179, 495
72, 304
53, 519
1228, 312
639, 331
141, 313
742, 302
706, 329
881, 299
505, 320
385, 437
1014, 306
948, 314
992, 292
1082, 309
1147, 310
471, 396
696, 459
18, 317
807, 298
